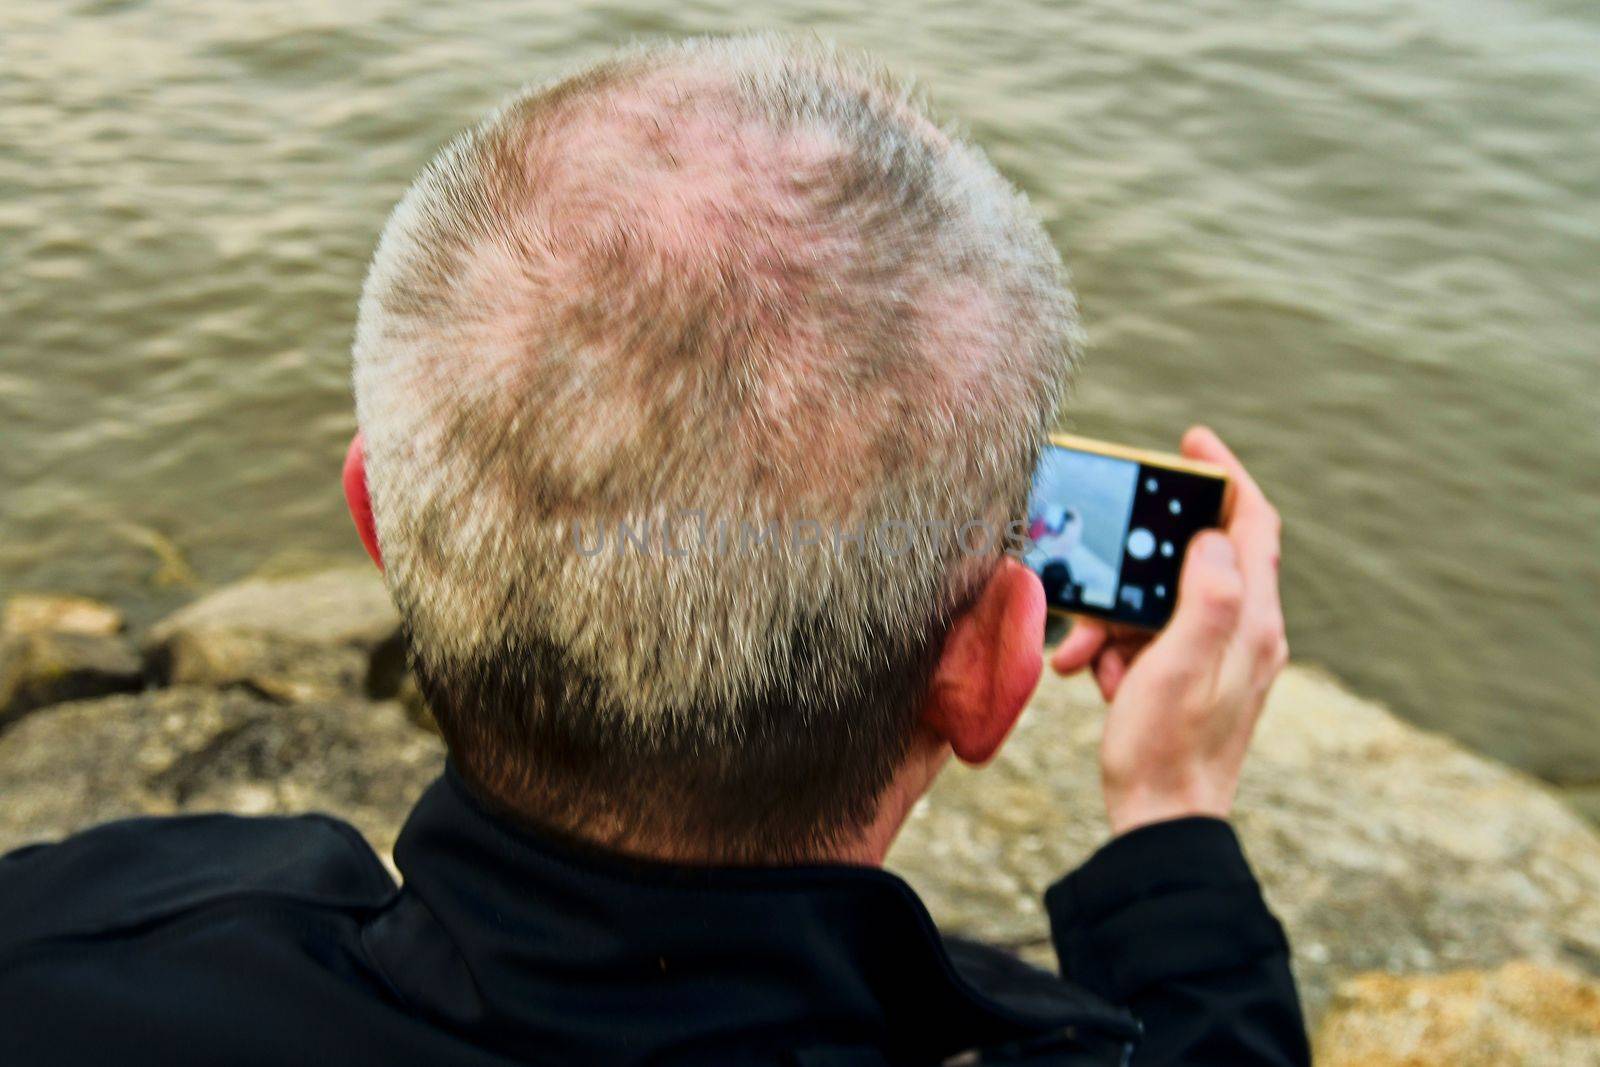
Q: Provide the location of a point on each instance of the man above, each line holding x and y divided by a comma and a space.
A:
646, 364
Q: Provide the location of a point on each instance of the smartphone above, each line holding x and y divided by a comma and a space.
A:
1108, 527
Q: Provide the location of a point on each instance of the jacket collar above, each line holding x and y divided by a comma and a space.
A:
537, 948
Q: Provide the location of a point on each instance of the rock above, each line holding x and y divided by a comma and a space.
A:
1585, 799
56, 648
28, 613
190, 749
1382, 847
1520, 1013
291, 639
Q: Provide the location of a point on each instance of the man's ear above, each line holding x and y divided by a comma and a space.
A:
355, 495
990, 664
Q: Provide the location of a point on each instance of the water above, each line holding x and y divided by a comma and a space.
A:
1360, 238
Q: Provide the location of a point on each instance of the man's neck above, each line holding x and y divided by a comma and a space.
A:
866, 847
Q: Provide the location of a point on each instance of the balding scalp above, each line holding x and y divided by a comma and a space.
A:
743, 280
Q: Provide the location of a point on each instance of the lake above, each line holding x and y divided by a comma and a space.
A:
1361, 239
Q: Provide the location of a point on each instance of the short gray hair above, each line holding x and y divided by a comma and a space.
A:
745, 279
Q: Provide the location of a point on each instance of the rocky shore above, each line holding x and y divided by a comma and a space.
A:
1444, 909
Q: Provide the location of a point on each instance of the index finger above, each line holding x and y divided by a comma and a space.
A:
1079, 648
1250, 503
1253, 525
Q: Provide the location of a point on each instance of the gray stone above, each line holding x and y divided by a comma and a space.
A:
27, 613
321, 636
191, 749
57, 648
1585, 799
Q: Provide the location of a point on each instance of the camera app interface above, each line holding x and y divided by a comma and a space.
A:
1107, 535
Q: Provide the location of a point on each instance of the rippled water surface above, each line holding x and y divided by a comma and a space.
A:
1360, 238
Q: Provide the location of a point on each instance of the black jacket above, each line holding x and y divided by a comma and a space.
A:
222, 940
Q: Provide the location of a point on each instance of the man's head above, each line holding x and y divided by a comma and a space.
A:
742, 286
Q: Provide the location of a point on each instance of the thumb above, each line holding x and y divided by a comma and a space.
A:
1210, 595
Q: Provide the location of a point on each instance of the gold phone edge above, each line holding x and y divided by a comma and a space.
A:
1140, 455
1149, 458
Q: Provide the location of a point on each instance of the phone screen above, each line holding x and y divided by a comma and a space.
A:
1107, 534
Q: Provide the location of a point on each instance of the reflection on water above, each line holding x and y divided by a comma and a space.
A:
1360, 238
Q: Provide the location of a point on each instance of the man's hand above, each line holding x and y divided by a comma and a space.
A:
1185, 703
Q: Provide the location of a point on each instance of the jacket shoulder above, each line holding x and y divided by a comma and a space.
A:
138, 871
